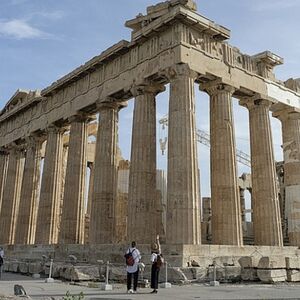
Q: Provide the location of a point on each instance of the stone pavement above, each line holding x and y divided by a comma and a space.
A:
38, 289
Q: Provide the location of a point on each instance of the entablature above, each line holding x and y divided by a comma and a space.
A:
176, 35
21, 100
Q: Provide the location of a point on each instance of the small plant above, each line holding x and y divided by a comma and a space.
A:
68, 296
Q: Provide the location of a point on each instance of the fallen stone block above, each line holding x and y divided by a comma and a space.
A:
35, 268
272, 262
24, 267
13, 266
272, 275
200, 274
77, 273
6, 266
249, 261
65, 272
292, 262
81, 273
225, 274
56, 269
249, 268
249, 274
293, 275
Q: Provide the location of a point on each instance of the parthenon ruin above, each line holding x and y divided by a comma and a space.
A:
171, 45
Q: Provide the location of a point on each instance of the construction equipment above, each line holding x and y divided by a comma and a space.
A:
203, 138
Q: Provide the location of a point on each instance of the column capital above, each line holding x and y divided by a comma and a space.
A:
34, 140
285, 113
179, 70
15, 148
110, 103
214, 88
151, 88
3, 151
81, 117
55, 129
253, 102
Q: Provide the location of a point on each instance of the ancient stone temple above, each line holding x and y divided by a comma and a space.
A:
171, 45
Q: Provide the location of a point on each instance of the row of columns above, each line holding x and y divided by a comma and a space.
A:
26, 225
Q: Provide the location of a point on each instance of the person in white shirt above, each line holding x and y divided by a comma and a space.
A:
133, 270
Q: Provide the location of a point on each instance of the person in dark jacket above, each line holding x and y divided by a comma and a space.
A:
156, 259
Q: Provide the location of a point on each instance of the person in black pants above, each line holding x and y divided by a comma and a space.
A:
156, 263
133, 270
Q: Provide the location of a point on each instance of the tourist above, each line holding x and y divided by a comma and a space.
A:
133, 258
1, 260
157, 261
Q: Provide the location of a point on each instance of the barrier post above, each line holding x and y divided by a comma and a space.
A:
214, 282
106, 286
166, 284
50, 279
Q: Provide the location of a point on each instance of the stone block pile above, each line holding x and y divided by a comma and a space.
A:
270, 269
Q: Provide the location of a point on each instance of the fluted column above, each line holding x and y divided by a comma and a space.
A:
183, 212
105, 176
26, 224
49, 204
3, 172
266, 211
72, 221
141, 221
226, 209
11, 196
291, 149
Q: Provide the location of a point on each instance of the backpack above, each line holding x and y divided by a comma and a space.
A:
159, 260
129, 258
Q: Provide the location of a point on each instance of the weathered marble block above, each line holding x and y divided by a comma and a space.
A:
292, 262
272, 275
293, 275
272, 262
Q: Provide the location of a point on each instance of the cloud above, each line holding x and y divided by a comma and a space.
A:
20, 29
272, 5
53, 16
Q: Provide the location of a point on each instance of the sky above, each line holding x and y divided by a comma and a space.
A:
42, 40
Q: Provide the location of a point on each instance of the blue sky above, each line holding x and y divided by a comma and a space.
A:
42, 40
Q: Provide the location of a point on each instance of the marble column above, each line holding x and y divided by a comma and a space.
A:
26, 224
105, 176
266, 211
226, 209
49, 204
72, 221
183, 212
291, 149
141, 221
11, 196
63, 173
3, 172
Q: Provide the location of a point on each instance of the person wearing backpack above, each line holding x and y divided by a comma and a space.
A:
157, 262
133, 258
